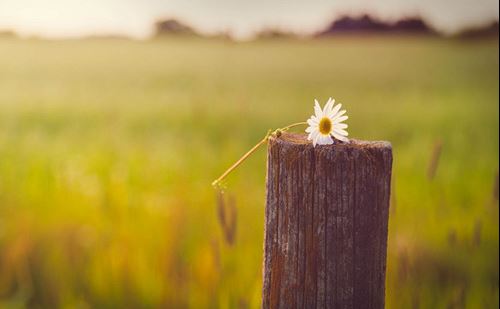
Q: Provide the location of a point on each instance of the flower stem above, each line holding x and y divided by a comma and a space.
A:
237, 163
293, 125
270, 133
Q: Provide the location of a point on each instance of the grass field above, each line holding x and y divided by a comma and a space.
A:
108, 149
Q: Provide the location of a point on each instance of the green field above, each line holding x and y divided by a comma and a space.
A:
108, 149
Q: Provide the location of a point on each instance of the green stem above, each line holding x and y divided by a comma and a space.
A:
293, 125
217, 182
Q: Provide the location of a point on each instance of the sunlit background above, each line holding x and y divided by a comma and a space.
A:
115, 117
134, 18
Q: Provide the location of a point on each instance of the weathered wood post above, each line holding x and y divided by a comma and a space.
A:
326, 224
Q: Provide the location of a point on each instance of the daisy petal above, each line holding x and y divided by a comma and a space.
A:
328, 106
340, 137
315, 140
325, 140
335, 110
312, 122
341, 126
309, 129
341, 132
337, 120
314, 135
342, 112
328, 140
317, 109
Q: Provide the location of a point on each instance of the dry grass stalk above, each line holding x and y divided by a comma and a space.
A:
227, 215
476, 239
434, 161
495, 188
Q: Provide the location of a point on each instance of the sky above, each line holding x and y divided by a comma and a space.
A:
72, 18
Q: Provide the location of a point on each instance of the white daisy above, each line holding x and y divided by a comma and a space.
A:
327, 123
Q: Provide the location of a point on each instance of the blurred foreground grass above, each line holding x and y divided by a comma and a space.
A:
108, 149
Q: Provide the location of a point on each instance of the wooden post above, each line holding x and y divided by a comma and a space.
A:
327, 211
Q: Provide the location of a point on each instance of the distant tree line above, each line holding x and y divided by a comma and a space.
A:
345, 25
5, 33
368, 24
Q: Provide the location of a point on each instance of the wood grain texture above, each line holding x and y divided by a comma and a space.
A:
326, 223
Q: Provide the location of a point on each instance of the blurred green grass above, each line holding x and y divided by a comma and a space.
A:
108, 149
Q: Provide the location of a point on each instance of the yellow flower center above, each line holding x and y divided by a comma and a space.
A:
325, 126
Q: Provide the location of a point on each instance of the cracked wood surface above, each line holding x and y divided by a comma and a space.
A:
326, 223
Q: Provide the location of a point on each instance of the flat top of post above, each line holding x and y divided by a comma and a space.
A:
297, 139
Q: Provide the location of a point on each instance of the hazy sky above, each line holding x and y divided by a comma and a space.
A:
63, 18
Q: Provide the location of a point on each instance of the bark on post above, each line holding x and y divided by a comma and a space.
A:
326, 221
